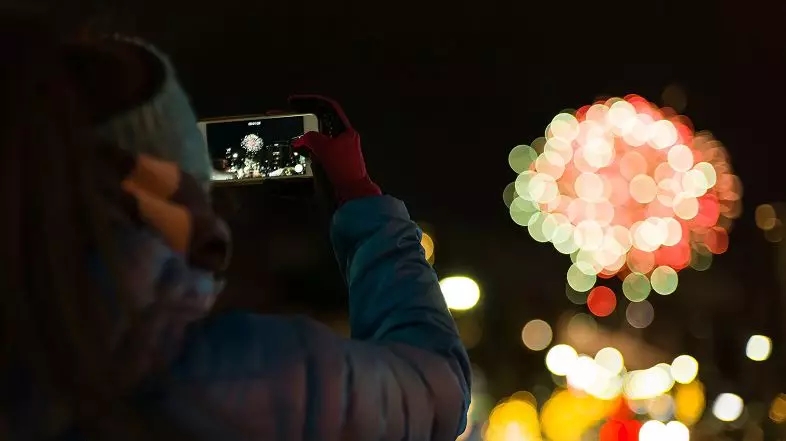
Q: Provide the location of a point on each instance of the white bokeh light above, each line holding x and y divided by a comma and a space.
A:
728, 407
461, 293
560, 359
758, 348
684, 369
676, 431
653, 431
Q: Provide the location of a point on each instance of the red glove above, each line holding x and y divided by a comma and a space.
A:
342, 160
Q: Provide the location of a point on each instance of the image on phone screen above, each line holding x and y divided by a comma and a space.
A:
257, 148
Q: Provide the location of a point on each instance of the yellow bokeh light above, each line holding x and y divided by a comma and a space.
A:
774, 234
689, 402
684, 369
758, 348
567, 416
778, 409
513, 420
428, 246
765, 217
461, 293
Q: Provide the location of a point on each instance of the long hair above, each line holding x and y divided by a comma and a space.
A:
56, 328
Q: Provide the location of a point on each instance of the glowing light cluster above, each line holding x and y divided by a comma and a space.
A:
252, 143
605, 377
627, 189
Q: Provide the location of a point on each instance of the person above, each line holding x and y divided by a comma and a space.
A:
112, 258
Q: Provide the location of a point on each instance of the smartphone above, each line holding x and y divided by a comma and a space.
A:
250, 149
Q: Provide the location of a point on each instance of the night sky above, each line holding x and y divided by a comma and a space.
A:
441, 92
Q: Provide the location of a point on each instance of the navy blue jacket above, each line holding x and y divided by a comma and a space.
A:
403, 375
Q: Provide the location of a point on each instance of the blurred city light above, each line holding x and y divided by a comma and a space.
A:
758, 348
778, 409
640, 315
649, 383
461, 293
611, 360
583, 373
727, 407
627, 189
560, 359
428, 246
601, 301
566, 416
514, 419
536, 335
661, 408
676, 431
653, 431
765, 217
684, 369
689, 402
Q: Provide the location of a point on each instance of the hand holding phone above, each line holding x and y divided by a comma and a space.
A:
340, 156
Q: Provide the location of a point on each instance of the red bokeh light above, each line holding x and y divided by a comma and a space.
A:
601, 301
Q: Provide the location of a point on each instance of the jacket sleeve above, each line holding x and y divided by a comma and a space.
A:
404, 374
395, 302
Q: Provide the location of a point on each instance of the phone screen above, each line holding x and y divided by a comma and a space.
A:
256, 149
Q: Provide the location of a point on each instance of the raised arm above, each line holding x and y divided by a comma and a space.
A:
396, 303
404, 374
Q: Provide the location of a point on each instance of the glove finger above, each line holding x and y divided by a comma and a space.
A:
336, 107
311, 141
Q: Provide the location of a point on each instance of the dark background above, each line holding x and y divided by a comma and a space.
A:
441, 91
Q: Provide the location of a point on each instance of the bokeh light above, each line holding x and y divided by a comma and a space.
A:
652, 431
728, 407
428, 247
766, 217
778, 409
768, 221
610, 359
515, 419
640, 315
536, 335
560, 359
601, 301
689, 402
648, 383
461, 293
626, 188
758, 348
676, 431
684, 369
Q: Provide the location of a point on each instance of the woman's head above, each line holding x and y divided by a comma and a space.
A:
85, 267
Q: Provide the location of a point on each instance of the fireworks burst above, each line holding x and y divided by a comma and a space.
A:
627, 189
252, 143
